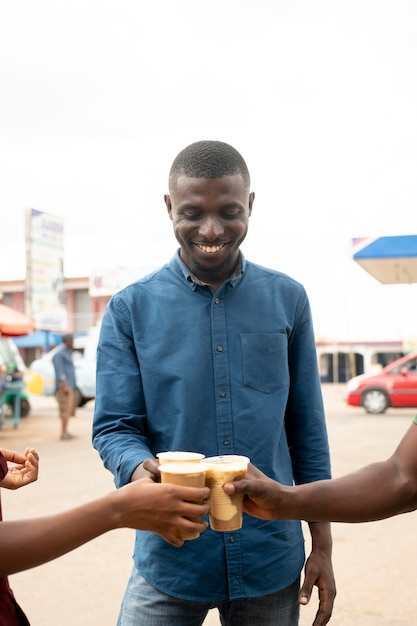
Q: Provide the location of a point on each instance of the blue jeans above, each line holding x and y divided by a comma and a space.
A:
143, 605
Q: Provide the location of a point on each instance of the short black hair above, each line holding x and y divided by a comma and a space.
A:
208, 159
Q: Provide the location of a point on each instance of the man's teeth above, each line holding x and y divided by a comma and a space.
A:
210, 248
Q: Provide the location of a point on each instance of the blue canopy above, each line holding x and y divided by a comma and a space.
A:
391, 260
38, 339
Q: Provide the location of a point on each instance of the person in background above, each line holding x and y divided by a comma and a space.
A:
374, 492
215, 354
160, 508
66, 385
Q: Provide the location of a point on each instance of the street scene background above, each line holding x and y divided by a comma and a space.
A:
374, 563
319, 97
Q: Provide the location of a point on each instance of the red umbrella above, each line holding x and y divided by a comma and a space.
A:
13, 323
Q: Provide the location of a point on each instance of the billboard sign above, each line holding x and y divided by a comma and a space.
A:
45, 282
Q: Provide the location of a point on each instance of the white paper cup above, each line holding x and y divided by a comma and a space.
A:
175, 456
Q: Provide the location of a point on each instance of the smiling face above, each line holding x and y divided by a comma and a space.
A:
210, 217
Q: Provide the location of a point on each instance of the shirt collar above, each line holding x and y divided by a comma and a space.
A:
195, 282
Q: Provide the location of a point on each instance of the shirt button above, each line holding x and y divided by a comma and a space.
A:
232, 539
219, 348
216, 300
222, 394
226, 442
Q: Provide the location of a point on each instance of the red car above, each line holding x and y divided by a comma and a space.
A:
394, 386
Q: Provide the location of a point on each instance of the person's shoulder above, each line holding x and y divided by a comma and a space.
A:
58, 352
147, 281
261, 270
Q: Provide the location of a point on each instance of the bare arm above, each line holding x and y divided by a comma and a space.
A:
144, 505
376, 491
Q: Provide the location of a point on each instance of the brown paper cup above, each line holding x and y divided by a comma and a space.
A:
187, 474
226, 512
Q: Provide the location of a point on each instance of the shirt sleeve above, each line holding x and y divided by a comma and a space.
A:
305, 418
59, 366
119, 422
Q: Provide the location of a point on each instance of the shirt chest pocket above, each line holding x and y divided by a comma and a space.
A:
265, 361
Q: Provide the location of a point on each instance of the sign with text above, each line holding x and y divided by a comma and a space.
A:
45, 282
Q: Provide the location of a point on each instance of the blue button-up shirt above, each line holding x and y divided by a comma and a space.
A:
234, 372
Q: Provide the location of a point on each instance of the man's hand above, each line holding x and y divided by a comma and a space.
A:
22, 468
147, 469
63, 385
262, 494
318, 571
163, 508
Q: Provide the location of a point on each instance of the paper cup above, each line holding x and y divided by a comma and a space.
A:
177, 456
226, 512
187, 474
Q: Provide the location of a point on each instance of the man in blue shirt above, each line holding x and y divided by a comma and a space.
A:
65, 385
214, 354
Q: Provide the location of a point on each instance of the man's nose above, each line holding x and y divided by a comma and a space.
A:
211, 228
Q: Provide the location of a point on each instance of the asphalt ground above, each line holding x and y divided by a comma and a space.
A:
375, 564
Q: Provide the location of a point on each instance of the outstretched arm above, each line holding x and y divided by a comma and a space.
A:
376, 491
143, 505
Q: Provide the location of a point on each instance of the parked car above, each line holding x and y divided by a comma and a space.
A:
42, 373
395, 385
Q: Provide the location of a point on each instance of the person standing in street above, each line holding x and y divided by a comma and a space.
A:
65, 382
214, 354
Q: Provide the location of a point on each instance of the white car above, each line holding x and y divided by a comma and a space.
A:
41, 378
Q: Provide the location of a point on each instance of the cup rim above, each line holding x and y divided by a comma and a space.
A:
227, 460
184, 467
185, 454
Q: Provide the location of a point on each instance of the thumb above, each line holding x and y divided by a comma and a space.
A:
238, 487
305, 593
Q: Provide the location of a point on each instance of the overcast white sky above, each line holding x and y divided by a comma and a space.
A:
320, 97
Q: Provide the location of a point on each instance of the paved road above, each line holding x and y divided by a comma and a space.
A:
375, 564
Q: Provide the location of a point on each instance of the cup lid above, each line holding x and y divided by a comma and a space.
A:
226, 458
230, 461
179, 455
183, 468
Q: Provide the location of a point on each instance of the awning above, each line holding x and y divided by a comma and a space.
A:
13, 323
391, 260
39, 339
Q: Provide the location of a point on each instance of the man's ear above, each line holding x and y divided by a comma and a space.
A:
167, 201
251, 201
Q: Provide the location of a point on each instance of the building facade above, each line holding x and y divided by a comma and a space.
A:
84, 310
